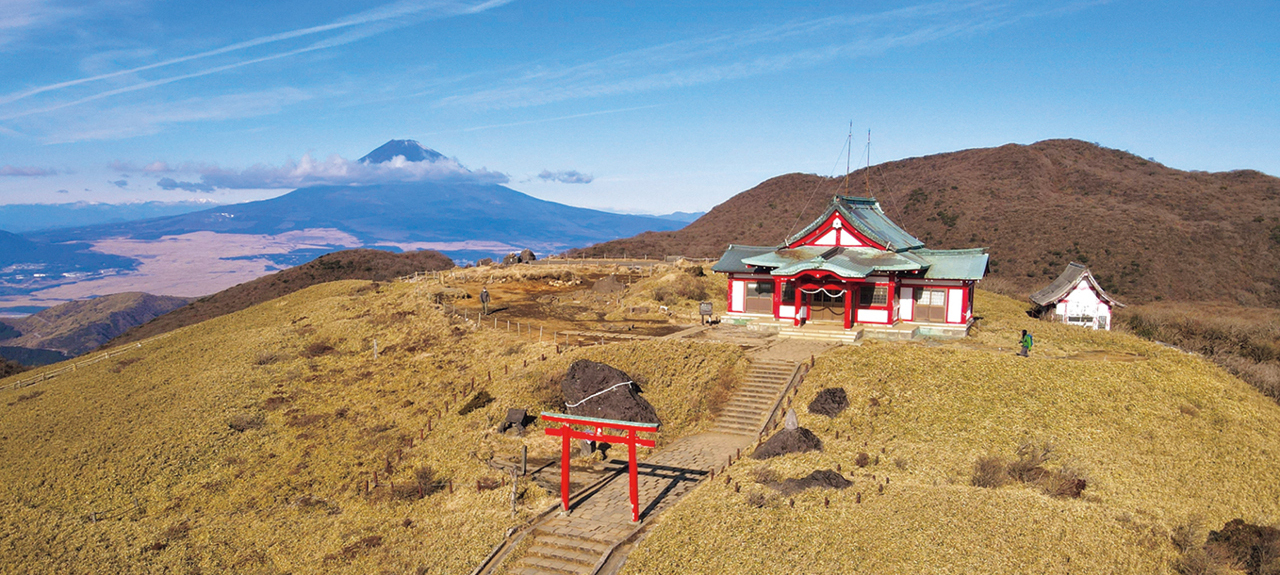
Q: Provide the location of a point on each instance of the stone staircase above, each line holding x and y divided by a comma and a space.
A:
821, 332
576, 543
565, 547
751, 404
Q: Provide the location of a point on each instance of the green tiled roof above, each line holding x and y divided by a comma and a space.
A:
865, 215
904, 252
845, 262
731, 261
970, 264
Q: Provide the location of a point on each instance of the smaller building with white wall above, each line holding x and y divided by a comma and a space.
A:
1075, 298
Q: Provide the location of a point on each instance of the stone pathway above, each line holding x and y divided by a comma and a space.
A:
575, 543
752, 403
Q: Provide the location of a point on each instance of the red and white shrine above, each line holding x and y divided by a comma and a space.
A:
1075, 298
854, 267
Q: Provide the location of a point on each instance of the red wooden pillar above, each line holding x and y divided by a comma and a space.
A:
564, 466
849, 292
635, 481
777, 297
893, 309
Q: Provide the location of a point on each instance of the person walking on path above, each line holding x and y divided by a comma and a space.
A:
1026, 342
484, 300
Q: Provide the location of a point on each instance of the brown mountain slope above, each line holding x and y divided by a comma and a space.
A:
82, 326
1147, 231
363, 264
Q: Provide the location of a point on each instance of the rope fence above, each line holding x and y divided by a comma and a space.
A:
74, 365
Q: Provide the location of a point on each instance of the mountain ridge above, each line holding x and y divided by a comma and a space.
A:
361, 264
1148, 231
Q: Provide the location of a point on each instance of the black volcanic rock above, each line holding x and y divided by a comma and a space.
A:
797, 440
410, 149
829, 402
587, 378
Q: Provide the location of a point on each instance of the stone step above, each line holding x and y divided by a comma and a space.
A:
756, 394
732, 427
768, 361
762, 385
553, 566
743, 410
851, 336
755, 397
743, 414
540, 549
751, 374
737, 432
575, 543
736, 422
735, 425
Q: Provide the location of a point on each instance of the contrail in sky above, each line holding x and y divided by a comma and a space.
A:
381, 14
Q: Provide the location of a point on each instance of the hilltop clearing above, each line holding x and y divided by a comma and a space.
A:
270, 440
1164, 440
1146, 230
376, 265
79, 327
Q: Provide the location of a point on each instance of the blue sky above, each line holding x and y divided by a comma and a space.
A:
640, 107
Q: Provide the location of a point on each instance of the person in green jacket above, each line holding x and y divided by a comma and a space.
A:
1026, 343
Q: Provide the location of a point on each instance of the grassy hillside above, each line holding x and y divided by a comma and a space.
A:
1244, 340
82, 326
244, 444
1164, 439
376, 265
1147, 231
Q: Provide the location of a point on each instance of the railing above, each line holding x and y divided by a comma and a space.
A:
74, 365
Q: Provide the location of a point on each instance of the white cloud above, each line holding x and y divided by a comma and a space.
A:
566, 177
156, 167
26, 171
17, 16
171, 184
337, 170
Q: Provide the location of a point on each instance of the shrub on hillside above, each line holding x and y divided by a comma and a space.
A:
317, 349
8, 368
246, 421
989, 471
1245, 341
681, 287
1027, 467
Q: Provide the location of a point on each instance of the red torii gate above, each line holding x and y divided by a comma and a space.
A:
566, 433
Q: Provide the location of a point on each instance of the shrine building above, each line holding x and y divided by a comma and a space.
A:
1075, 298
853, 269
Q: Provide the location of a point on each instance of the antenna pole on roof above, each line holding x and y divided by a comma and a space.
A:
867, 173
848, 146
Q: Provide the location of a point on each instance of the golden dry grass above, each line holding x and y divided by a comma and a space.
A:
1161, 437
132, 465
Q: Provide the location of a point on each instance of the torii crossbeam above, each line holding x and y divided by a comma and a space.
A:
567, 433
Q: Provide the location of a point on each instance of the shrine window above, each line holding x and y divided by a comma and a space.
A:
868, 297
